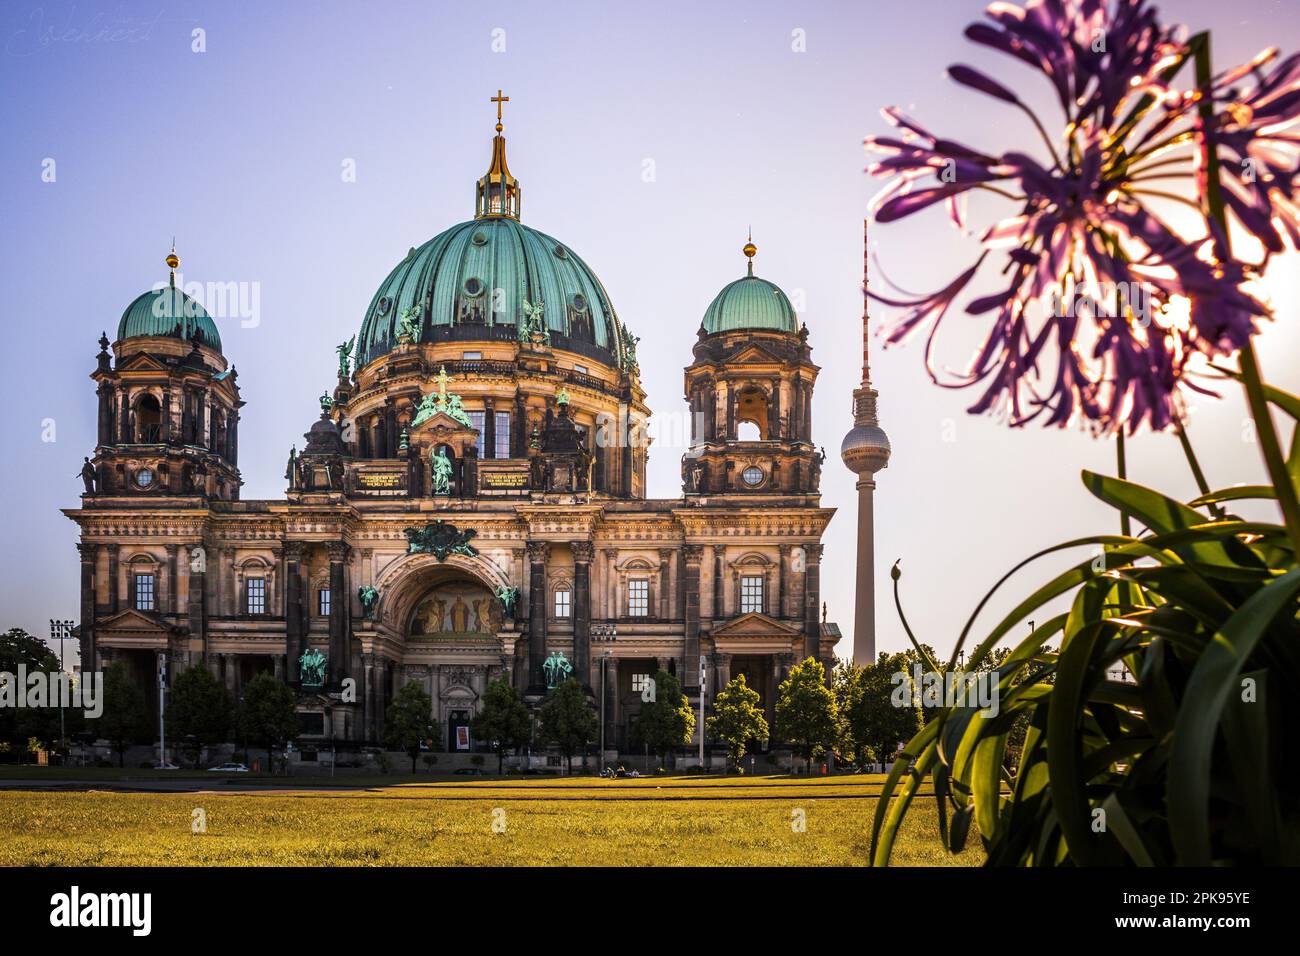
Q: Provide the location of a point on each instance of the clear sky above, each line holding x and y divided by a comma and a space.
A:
649, 137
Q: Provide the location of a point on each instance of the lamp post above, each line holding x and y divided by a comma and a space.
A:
704, 673
603, 634
59, 630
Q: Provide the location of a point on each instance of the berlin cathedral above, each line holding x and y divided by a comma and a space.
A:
471, 502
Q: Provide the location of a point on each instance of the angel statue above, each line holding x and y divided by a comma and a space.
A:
345, 354
369, 596
408, 324
508, 596
533, 327
441, 471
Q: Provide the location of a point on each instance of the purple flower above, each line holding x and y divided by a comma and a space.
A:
1103, 308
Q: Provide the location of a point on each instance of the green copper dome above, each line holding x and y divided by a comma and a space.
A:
750, 303
479, 280
170, 313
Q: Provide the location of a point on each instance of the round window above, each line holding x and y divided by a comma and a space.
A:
473, 287
144, 477
479, 238
579, 302
561, 253
384, 305
752, 476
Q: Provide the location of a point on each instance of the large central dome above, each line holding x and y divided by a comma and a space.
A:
484, 279
472, 282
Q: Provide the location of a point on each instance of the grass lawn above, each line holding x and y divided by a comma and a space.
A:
497, 822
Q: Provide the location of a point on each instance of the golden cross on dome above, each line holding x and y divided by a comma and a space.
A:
498, 100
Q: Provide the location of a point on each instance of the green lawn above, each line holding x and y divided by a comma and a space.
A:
580, 821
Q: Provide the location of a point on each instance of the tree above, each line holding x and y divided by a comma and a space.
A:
267, 715
667, 721
873, 724
125, 718
567, 720
19, 724
737, 718
409, 721
199, 708
806, 715
503, 720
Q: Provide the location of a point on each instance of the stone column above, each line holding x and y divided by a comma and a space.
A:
114, 588
173, 580
196, 599
339, 613
105, 393
665, 589
613, 704
782, 562
719, 606
693, 554
583, 552
368, 689
812, 600
722, 667
538, 552
293, 551
89, 557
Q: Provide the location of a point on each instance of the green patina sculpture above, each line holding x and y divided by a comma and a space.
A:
440, 539
369, 595
408, 324
326, 402
563, 397
441, 402
345, 353
629, 345
508, 596
441, 465
557, 669
533, 324
311, 668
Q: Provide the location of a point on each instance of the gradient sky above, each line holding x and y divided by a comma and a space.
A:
238, 153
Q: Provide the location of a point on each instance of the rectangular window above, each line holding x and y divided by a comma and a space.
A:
580, 369
256, 591
476, 420
751, 594
503, 435
323, 602
638, 598
563, 603
472, 356
144, 592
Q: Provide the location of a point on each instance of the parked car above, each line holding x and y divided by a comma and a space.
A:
229, 768
167, 765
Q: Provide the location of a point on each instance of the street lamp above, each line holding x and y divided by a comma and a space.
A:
61, 631
603, 634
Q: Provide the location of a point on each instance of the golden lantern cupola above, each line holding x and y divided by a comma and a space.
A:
498, 192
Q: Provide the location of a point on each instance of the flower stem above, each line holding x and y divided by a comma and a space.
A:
1250, 373
1121, 470
1194, 463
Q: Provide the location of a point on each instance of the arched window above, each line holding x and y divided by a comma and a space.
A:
148, 420
751, 410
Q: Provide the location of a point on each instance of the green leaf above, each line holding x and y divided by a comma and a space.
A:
1212, 680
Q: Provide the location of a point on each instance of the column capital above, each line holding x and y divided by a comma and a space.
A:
88, 552
719, 550
338, 551
293, 550
813, 553
583, 551
693, 553
538, 551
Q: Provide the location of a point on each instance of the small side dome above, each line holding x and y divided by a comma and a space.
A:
750, 303
168, 313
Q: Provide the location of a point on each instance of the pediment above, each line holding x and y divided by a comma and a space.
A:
442, 424
132, 621
142, 362
755, 625
754, 354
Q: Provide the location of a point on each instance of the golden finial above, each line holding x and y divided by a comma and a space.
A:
173, 261
498, 100
750, 250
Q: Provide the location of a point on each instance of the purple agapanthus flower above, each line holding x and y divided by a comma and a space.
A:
1104, 306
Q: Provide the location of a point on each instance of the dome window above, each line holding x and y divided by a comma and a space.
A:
752, 476
385, 304
479, 238
579, 302
561, 252
473, 287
